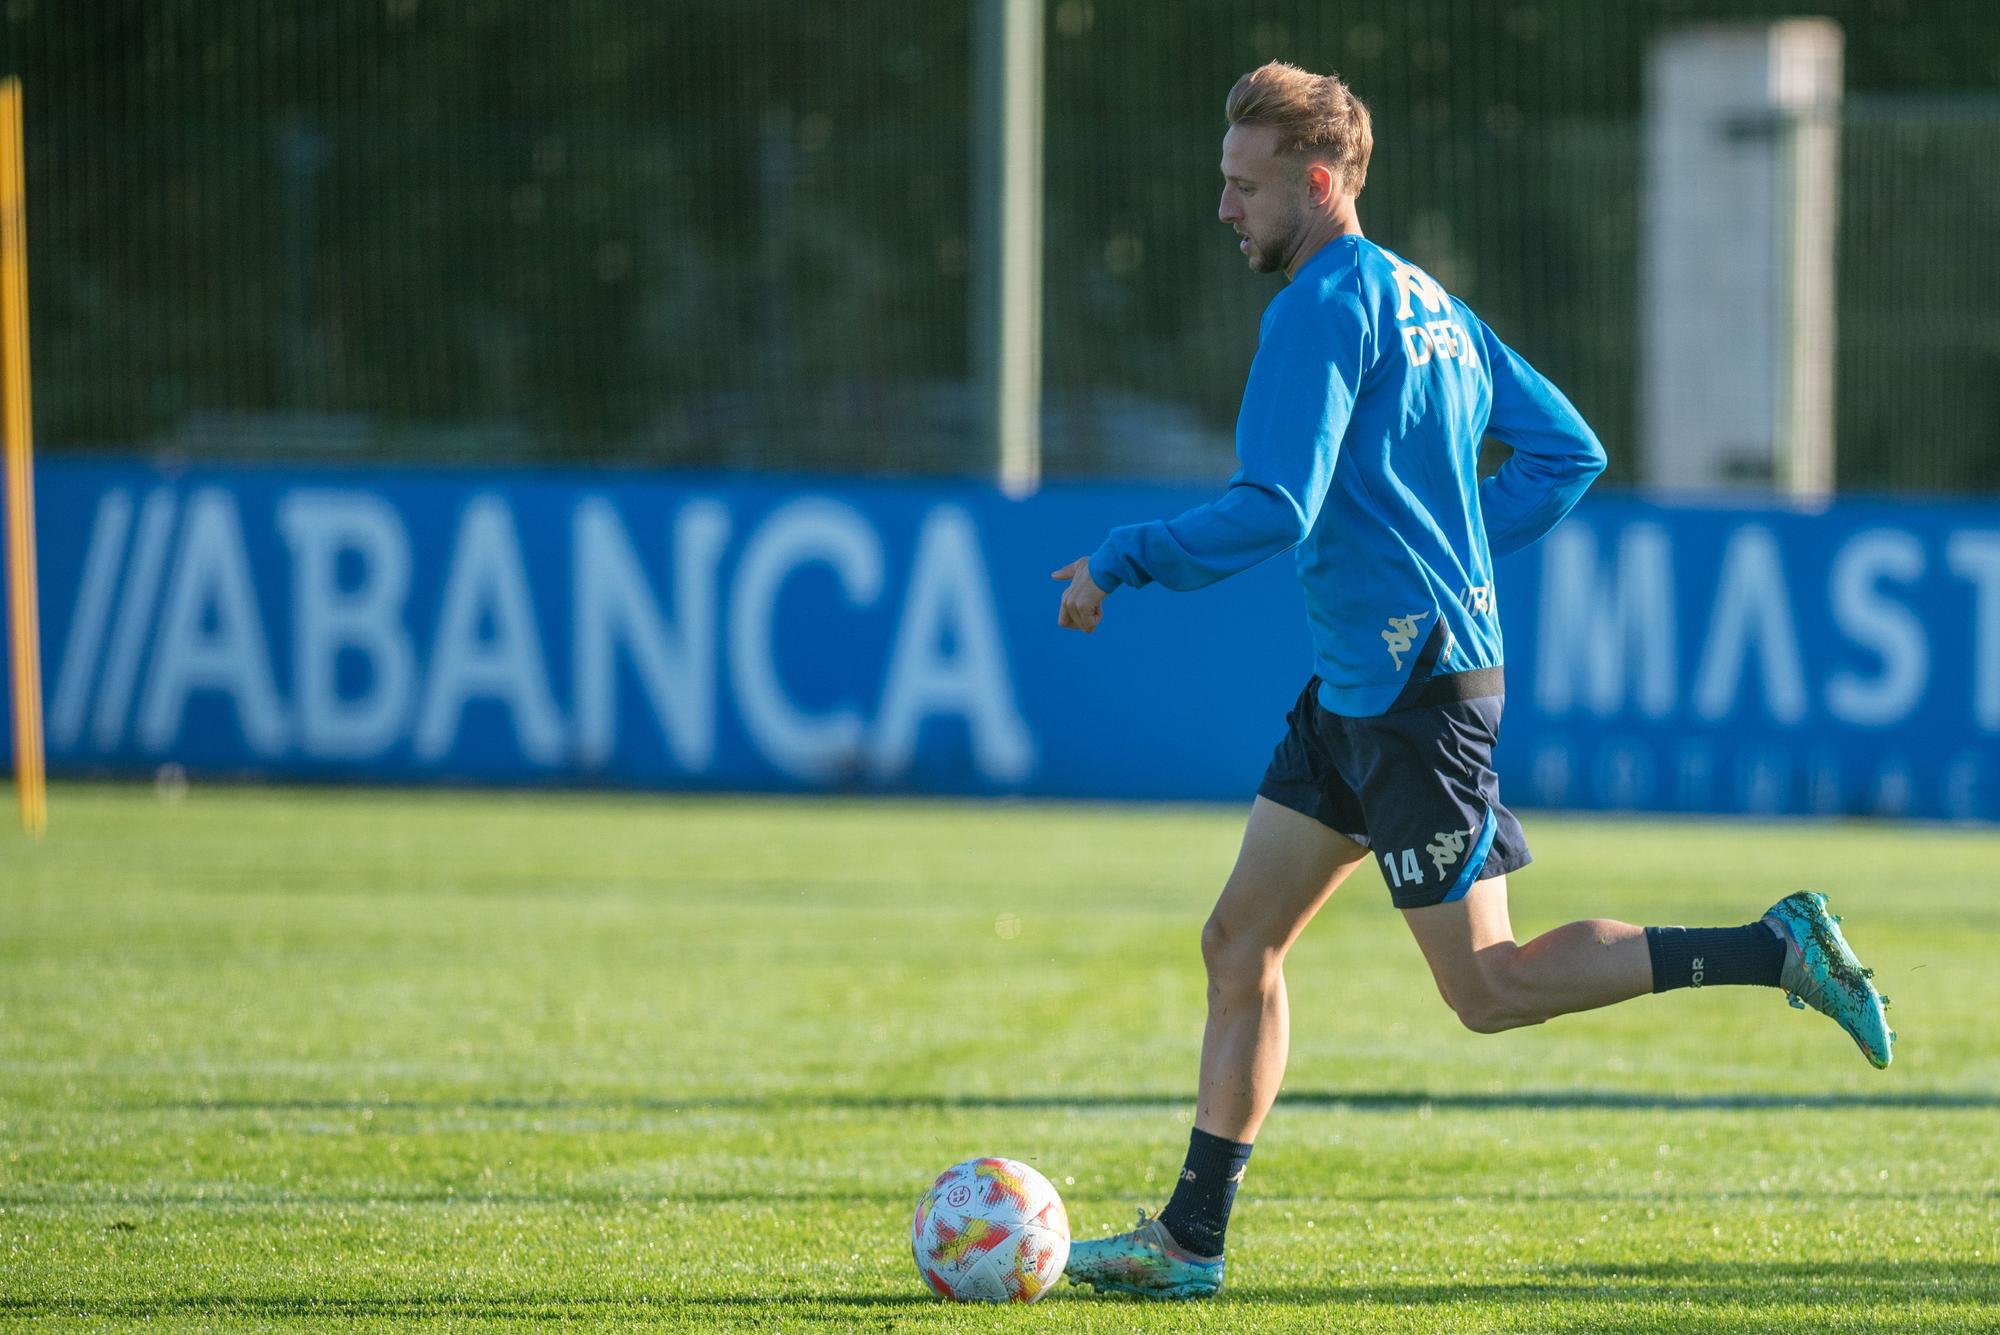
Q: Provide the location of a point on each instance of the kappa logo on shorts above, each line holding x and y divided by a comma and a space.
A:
1401, 634
1445, 846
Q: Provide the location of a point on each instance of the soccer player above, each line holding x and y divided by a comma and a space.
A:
1358, 440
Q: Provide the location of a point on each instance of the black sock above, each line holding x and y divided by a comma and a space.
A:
1198, 1214
1707, 956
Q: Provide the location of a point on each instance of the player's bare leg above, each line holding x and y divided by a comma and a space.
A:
1288, 867
1494, 983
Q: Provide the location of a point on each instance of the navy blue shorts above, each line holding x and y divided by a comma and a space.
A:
1414, 786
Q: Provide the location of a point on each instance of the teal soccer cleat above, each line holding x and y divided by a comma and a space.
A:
1146, 1262
1821, 971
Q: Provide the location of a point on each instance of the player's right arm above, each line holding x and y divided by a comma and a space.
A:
1295, 410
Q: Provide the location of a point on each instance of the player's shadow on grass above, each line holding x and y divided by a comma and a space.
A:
1390, 1100
535, 1309
1708, 1286
1380, 1100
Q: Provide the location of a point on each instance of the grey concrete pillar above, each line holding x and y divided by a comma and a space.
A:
1738, 220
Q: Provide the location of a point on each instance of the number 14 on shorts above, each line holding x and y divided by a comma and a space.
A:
1401, 869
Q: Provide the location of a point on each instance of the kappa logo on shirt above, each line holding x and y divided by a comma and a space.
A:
1401, 634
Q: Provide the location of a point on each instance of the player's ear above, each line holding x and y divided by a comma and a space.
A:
1319, 183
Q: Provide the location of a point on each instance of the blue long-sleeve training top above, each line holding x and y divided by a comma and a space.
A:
1358, 444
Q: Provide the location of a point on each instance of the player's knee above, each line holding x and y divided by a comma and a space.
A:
1486, 1014
1492, 1002
1235, 962
1214, 941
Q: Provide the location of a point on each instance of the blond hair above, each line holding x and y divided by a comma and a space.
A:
1314, 114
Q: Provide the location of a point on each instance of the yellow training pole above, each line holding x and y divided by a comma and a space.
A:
23, 619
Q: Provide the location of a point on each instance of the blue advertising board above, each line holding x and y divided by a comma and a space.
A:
1836, 661
675, 631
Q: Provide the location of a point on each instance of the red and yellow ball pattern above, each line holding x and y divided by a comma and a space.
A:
990, 1230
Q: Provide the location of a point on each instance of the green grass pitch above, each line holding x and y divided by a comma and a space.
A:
390, 1061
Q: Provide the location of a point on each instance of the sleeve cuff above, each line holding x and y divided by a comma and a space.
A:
1101, 573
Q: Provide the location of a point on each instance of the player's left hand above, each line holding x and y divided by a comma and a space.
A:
1082, 601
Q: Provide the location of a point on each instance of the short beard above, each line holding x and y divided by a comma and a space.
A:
1278, 258
1261, 261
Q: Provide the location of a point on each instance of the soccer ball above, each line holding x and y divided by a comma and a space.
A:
990, 1231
